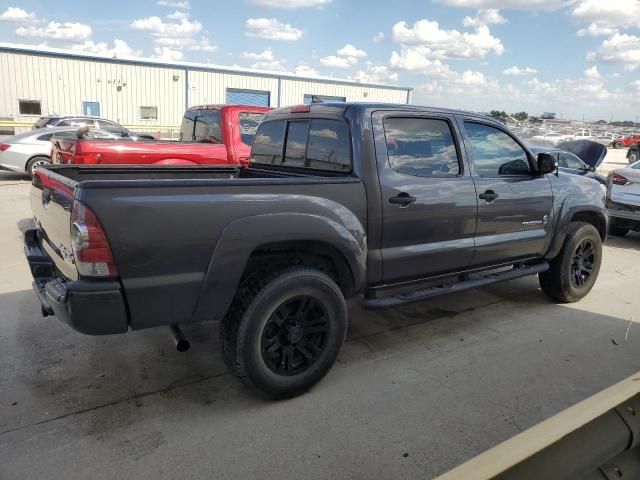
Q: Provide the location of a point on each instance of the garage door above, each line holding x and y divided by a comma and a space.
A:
248, 97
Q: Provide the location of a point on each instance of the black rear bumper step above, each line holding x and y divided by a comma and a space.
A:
424, 294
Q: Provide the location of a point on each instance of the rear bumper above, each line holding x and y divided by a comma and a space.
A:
92, 307
620, 211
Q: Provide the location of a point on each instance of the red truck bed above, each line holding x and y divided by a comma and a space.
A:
212, 134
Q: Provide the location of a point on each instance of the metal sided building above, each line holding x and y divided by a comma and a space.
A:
151, 94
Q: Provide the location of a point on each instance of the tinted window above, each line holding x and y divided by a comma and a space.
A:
494, 152
186, 129
45, 138
317, 144
328, 147
207, 127
267, 144
248, 126
111, 127
568, 160
76, 122
421, 147
297, 135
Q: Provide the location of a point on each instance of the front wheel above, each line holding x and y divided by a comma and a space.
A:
283, 333
633, 157
574, 271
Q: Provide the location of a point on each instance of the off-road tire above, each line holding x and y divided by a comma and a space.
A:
256, 300
35, 161
557, 282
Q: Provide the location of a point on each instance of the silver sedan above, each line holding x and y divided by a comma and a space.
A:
26, 151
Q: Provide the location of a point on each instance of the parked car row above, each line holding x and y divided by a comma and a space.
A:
394, 203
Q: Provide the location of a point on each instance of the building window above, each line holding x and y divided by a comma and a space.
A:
149, 113
309, 98
29, 107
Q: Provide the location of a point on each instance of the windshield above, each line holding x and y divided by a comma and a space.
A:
248, 126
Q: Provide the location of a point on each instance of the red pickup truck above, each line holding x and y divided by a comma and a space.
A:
625, 142
210, 134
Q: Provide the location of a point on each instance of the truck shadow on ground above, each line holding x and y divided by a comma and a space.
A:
49, 371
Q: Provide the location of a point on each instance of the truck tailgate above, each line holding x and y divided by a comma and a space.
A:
51, 203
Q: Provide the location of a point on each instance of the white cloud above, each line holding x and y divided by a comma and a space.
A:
272, 29
619, 48
378, 37
595, 30
71, 31
264, 60
306, 70
168, 53
447, 43
174, 35
334, 61
157, 27
417, 59
120, 48
18, 15
489, 16
508, 4
290, 4
350, 51
592, 72
179, 4
374, 73
519, 72
609, 13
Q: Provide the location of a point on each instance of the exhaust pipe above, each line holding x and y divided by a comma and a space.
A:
182, 344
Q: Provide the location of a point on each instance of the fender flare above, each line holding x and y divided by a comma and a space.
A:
242, 237
568, 210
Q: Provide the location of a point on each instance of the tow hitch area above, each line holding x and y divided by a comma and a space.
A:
182, 344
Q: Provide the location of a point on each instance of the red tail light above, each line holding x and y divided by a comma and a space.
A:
618, 179
4, 147
91, 248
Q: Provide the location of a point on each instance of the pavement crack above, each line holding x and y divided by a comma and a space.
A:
115, 402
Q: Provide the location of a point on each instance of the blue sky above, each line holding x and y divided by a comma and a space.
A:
572, 57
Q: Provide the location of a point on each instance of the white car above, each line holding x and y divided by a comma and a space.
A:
552, 138
623, 199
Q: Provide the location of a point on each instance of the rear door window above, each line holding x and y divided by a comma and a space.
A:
422, 147
314, 144
267, 144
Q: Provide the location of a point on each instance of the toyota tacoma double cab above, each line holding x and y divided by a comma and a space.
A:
392, 203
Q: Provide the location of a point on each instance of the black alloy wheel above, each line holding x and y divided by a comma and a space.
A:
582, 263
295, 336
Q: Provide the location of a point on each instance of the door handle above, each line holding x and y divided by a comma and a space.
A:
402, 199
489, 196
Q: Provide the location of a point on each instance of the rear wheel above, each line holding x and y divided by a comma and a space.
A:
618, 145
574, 271
284, 331
36, 162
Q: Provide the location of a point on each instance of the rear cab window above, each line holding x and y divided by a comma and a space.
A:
201, 126
316, 144
248, 122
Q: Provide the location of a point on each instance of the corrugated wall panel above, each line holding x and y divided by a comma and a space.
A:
62, 83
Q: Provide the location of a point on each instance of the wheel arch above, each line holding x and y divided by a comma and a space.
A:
44, 155
281, 240
588, 214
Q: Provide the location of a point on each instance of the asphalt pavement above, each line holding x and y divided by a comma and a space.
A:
416, 391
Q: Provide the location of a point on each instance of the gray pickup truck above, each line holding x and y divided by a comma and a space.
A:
394, 203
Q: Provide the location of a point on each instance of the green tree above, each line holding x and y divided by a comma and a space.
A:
520, 116
498, 113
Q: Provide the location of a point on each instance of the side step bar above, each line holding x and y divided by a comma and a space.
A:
424, 294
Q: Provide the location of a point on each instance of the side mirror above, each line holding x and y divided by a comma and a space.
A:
547, 163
